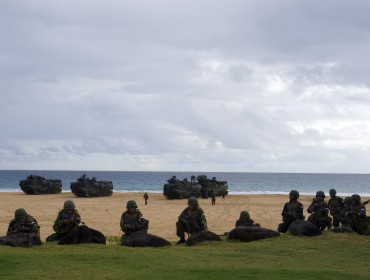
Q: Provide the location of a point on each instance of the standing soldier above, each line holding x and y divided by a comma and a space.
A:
191, 220
293, 210
132, 219
23, 222
356, 215
336, 205
213, 197
146, 197
68, 218
319, 212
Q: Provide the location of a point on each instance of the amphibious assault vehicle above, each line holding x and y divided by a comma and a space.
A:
39, 185
86, 187
199, 186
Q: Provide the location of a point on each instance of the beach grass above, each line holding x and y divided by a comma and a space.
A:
329, 256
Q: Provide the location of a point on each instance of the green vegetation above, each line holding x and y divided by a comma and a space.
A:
329, 256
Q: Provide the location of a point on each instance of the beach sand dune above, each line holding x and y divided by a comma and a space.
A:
103, 213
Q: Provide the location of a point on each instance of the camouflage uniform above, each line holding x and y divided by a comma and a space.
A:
133, 222
347, 207
292, 210
146, 197
319, 212
25, 224
356, 215
245, 220
213, 197
336, 205
67, 219
191, 220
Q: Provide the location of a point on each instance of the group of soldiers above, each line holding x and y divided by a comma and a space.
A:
348, 212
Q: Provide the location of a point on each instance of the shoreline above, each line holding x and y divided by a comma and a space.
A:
103, 213
230, 192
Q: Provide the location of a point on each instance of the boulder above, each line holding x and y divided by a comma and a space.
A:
202, 236
143, 239
83, 234
303, 228
341, 229
247, 234
21, 239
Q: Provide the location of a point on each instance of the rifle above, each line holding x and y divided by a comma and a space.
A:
189, 221
291, 213
366, 202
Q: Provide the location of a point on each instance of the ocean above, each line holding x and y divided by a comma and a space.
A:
239, 182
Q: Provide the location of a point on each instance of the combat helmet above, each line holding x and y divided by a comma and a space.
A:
69, 205
244, 215
294, 193
320, 193
347, 200
131, 204
20, 214
356, 198
332, 191
192, 201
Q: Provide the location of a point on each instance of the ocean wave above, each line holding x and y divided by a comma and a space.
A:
230, 192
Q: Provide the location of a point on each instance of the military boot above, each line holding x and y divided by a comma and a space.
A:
182, 240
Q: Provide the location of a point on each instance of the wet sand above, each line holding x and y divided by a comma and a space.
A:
104, 213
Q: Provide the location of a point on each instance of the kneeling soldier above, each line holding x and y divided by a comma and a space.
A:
23, 222
292, 211
192, 219
68, 218
245, 220
132, 220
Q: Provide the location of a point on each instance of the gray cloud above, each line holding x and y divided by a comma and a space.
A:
193, 85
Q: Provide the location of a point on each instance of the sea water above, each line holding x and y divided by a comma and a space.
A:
239, 182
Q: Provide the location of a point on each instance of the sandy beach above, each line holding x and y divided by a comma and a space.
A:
104, 213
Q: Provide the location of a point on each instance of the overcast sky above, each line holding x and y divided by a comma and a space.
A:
195, 85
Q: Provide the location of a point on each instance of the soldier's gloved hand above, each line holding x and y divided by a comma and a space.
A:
350, 213
66, 221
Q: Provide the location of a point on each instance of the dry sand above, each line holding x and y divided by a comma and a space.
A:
104, 213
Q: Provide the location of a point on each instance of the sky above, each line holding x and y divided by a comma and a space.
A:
196, 85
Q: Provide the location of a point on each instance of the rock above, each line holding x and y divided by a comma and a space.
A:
247, 234
303, 228
83, 234
143, 239
341, 229
21, 239
202, 236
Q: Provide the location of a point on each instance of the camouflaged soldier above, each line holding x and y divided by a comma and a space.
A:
356, 215
292, 211
336, 205
245, 220
146, 197
68, 218
132, 219
191, 220
319, 212
347, 205
23, 222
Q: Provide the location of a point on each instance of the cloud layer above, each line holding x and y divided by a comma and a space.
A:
185, 85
